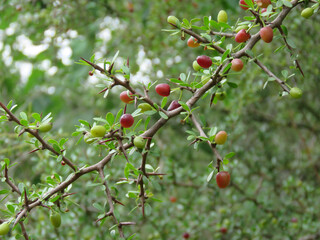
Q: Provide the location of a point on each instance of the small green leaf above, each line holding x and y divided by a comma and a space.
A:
164, 102
210, 176
163, 115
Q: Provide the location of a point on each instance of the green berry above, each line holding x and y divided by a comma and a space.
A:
55, 219
295, 92
221, 95
306, 13
98, 131
173, 20
145, 107
88, 138
45, 127
245, 27
196, 66
205, 79
222, 16
4, 228
139, 142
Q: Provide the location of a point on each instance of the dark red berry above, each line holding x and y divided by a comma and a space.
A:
242, 36
204, 61
223, 179
163, 89
173, 105
186, 235
266, 34
126, 120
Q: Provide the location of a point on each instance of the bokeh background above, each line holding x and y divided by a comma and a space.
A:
274, 192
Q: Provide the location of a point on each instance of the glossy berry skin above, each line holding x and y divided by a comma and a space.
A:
266, 34
90, 73
221, 137
236, 65
242, 2
263, 3
193, 43
295, 92
98, 131
173, 20
63, 163
173, 105
242, 36
145, 107
126, 120
139, 142
4, 228
173, 199
196, 66
126, 98
222, 16
223, 179
306, 13
204, 61
223, 230
221, 95
186, 235
45, 127
55, 219
163, 89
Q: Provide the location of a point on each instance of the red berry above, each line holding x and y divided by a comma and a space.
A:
223, 179
266, 34
173, 105
223, 230
263, 3
186, 235
173, 199
204, 61
192, 42
242, 2
90, 73
242, 36
163, 89
125, 97
294, 220
126, 120
63, 163
237, 64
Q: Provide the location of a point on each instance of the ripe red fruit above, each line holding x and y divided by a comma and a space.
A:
223, 230
294, 220
266, 34
163, 89
173, 105
126, 120
186, 235
173, 199
90, 73
242, 2
223, 179
204, 61
263, 3
242, 36
63, 163
192, 42
237, 64
125, 97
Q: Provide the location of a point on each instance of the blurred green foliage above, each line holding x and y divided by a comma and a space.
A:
275, 172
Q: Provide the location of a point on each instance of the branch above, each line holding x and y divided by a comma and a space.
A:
24, 232
11, 184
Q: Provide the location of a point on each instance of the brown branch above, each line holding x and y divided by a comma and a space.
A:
23, 230
8, 181
228, 35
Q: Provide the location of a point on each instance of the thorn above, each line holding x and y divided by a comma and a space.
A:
105, 89
34, 150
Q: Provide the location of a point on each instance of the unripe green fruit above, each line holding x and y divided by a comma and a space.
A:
144, 107
196, 66
88, 138
98, 131
55, 219
221, 137
4, 228
173, 20
45, 127
222, 16
205, 78
245, 27
306, 13
221, 95
139, 142
295, 92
